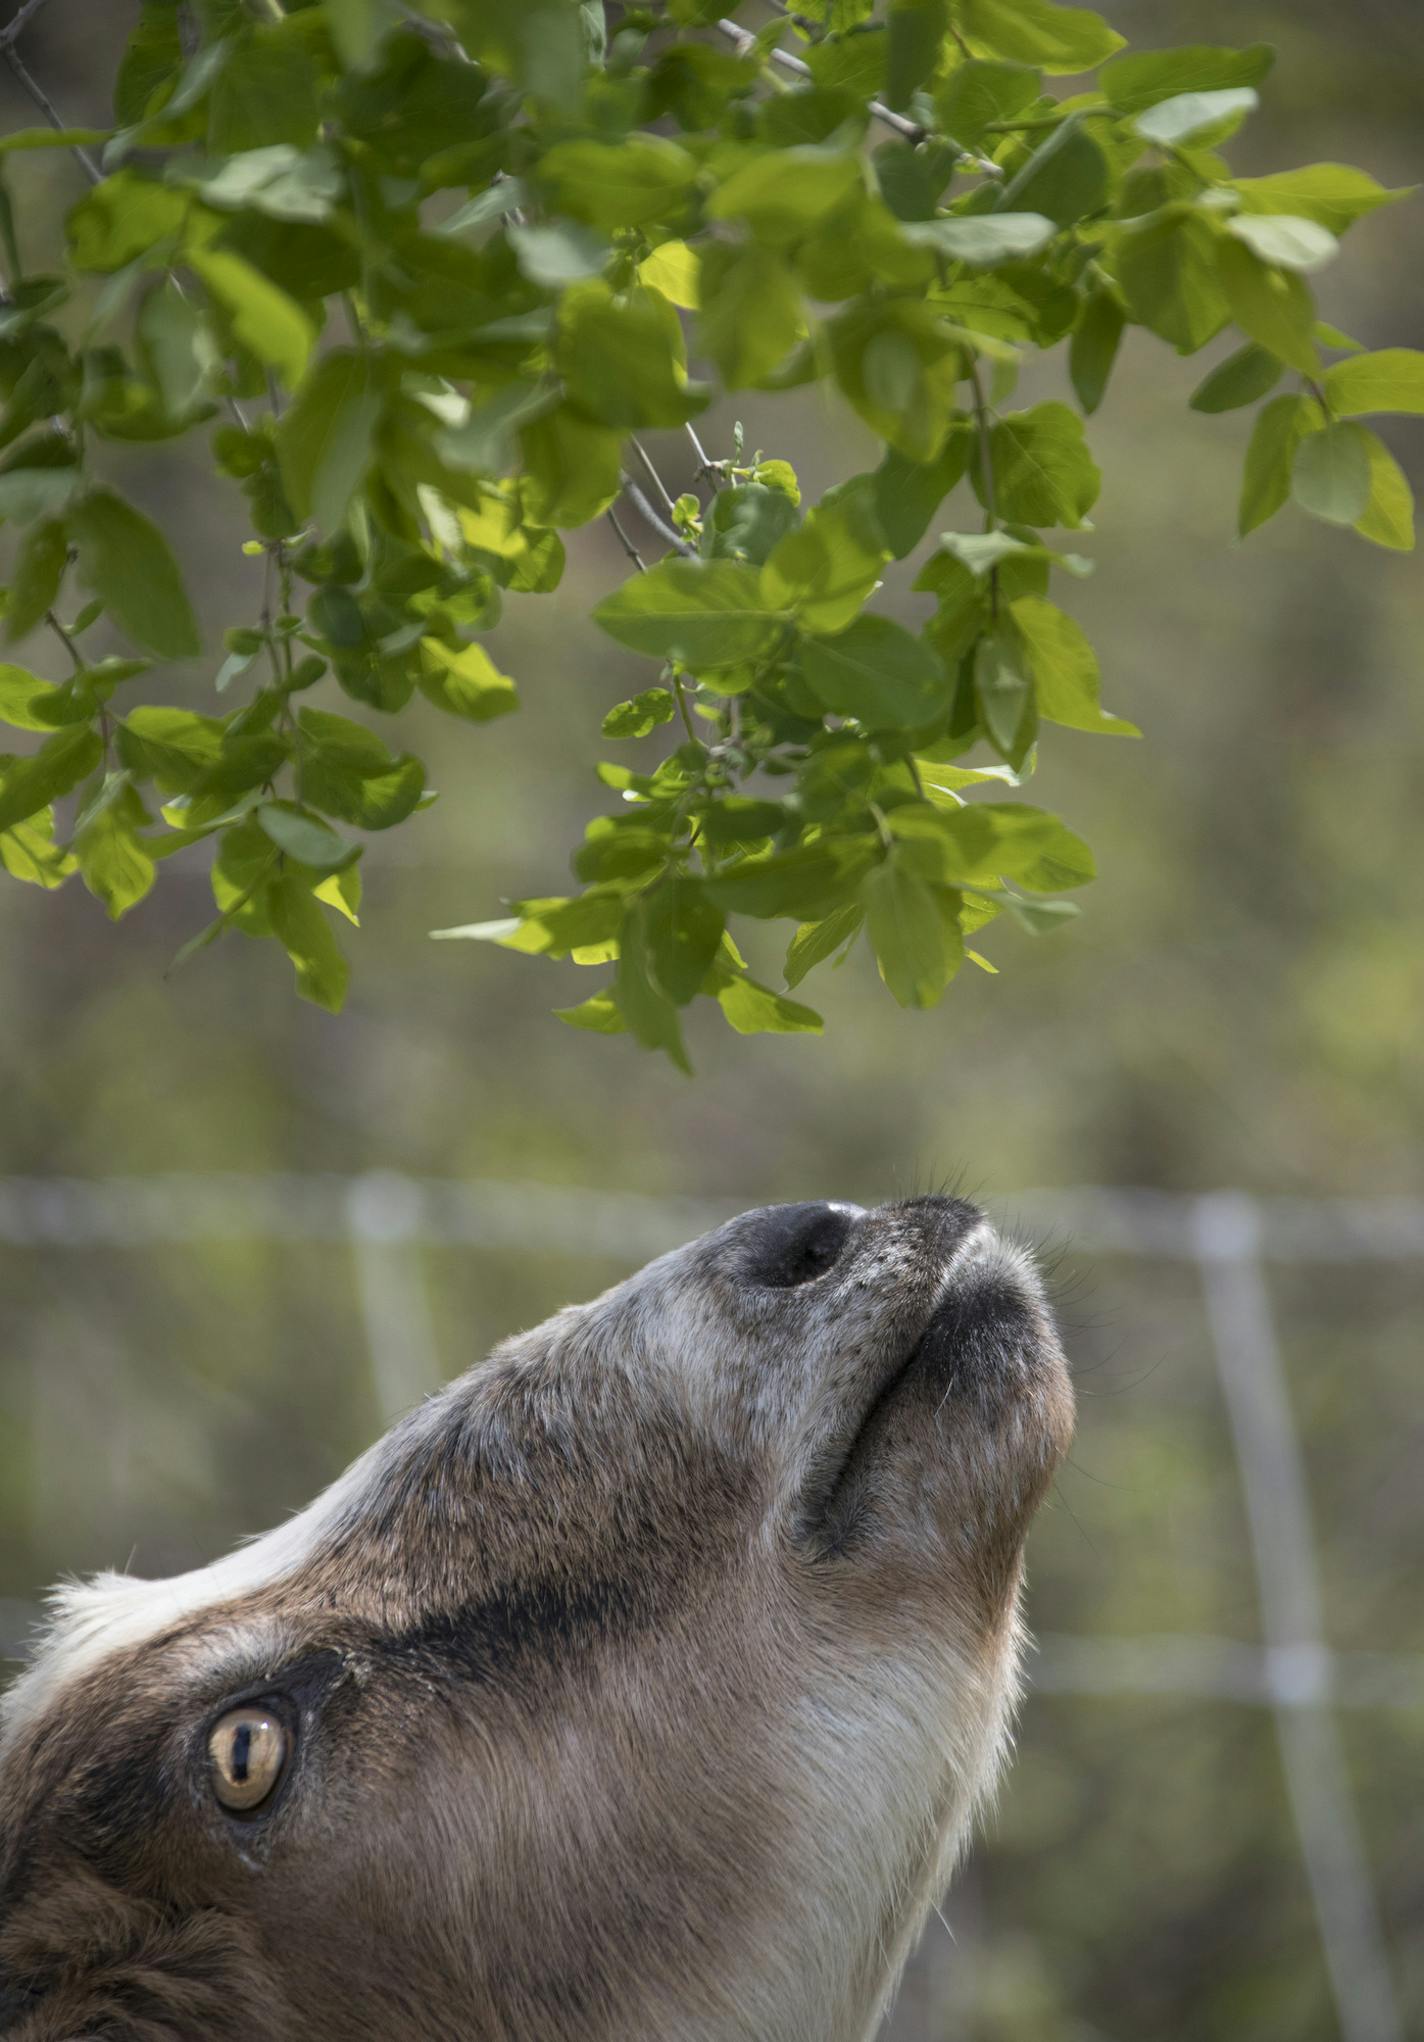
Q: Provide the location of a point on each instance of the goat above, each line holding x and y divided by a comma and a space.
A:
640, 1686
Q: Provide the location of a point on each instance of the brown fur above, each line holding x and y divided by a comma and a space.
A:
643, 1685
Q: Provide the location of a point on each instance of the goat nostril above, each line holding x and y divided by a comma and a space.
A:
798, 1243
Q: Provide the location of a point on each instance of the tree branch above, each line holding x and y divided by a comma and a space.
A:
37, 93
11, 31
713, 470
898, 123
659, 524
628, 547
653, 476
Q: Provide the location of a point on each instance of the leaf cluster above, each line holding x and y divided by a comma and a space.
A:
422, 276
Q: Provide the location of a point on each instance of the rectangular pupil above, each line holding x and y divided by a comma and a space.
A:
241, 1752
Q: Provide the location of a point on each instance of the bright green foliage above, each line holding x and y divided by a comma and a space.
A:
416, 282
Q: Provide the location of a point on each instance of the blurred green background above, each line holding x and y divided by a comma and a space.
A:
1237, 1007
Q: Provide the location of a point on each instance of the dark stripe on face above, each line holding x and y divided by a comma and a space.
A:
544, 1621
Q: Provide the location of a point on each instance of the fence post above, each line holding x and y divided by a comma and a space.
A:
1227, 1230
385, 1222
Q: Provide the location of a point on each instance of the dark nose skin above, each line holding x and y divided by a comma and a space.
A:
793, 1244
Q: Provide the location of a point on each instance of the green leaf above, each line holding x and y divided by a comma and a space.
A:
747, 522
1267, 481
39, 570
266, 92
599, 1013
28, 852
1058, 39
1389, 516
1064, 668
1392, 380
981, 552
916, 33
878, 672
754, 1009
825, 569
152, 57
682, 931
1168, 273
264, 319
1093, 349
1251, 372
617, 184
1168, 123
1273, 306
178, 349
908, 493
1043, 472
983, 240
573, 469
357, 26
810, 882
115, 864
1330, 475
643, 713
751, 313
1067, 177
781, 194
283, 182
1005, 696
125, 217
706, 613
305, 837
1144, 78
30, 784
24, 699
1333, 194
326, 437
814, 942
978, 93
558, 253
464, 681
1286, 239
1038, 917
309, 940
651, 1016
175, 747
622, 358
915, 944
126, 560
896, 365
347, 772
1017, 842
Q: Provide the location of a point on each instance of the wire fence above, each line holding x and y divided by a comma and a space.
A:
1227, 1237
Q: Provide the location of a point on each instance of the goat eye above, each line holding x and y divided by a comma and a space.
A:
247, 1752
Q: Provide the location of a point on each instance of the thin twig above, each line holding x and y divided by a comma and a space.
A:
11, 31
899, 123
681, 694
650, 517
986, 467
986, 460
628, 547
65, 640
47, 107
715, 471
653, 476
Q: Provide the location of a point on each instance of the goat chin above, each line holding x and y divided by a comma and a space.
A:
642, 1686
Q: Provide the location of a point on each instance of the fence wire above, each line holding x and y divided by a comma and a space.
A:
386, 1219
